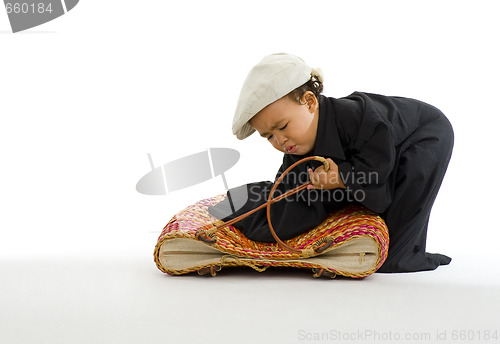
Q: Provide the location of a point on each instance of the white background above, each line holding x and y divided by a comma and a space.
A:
85, 97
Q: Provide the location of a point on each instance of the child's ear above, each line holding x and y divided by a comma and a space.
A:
310, 100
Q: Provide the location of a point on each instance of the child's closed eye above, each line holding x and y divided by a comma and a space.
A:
282, 128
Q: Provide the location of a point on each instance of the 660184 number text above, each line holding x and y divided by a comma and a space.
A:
25, 8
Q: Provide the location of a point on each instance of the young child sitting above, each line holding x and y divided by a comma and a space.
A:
389, 154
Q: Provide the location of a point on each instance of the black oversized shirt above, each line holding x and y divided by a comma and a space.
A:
364, 134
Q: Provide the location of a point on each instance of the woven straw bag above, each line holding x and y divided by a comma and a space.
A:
351, 242
357, 242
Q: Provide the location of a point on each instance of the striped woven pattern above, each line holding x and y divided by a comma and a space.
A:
341, 226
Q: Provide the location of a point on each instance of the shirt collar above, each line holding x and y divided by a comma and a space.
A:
327, 142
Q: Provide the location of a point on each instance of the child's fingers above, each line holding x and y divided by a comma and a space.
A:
312, 180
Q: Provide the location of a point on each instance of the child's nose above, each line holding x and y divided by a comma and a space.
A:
280, 139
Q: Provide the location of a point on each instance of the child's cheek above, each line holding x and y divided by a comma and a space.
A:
277, 147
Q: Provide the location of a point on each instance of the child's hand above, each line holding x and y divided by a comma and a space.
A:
325, 180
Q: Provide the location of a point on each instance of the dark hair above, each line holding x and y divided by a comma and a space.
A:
313, 85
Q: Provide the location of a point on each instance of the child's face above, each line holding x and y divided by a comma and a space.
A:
289, 126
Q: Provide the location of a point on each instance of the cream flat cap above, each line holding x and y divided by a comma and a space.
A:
271, 79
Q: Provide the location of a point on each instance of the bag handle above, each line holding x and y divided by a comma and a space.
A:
302, 187
204, 233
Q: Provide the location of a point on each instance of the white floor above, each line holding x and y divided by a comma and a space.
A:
118, 298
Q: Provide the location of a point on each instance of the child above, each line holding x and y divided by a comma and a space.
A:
389, 154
